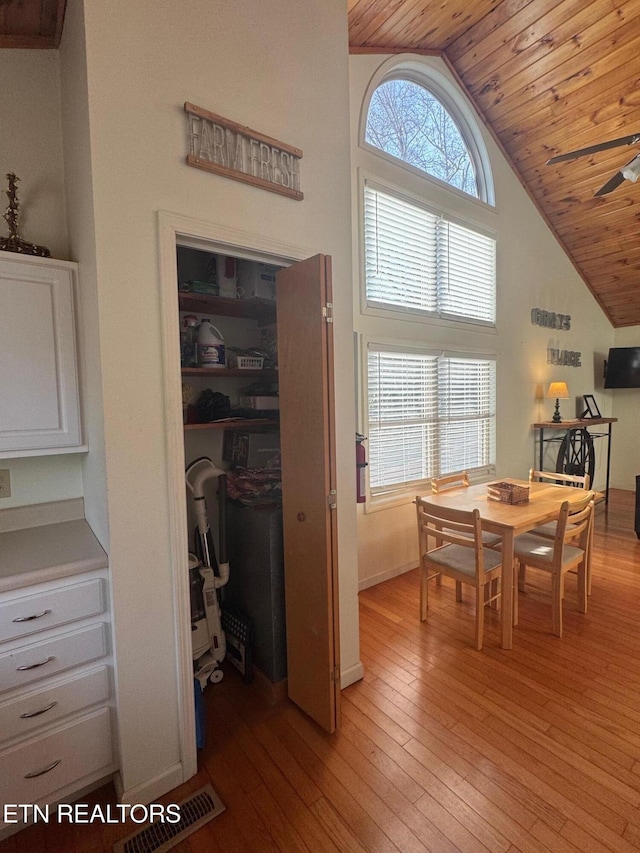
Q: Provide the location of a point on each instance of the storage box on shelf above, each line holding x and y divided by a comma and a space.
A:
251, 449
246, 362
256, 281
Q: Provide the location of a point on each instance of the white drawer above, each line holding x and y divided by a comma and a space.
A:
27, 614
39, 660
56, 759
52, 702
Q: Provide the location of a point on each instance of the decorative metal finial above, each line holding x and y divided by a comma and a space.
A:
15, 243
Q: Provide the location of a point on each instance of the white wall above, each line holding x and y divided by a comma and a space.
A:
281, 70
625, 443
82, 244
31, 146
532, 272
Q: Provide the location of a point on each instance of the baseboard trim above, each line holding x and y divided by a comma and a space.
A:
351, 675
374, 580
151, 789
274, 692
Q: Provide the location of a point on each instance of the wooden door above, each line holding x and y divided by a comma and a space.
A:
307, 440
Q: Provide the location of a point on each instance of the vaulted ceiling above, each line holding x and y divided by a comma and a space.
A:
31, 23
547, 77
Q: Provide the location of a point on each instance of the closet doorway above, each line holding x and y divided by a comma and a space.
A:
307, 441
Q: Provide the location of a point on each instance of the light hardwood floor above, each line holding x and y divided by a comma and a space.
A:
441, 748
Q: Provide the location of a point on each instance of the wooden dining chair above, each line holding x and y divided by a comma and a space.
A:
445, 484
577, 481
568, 550
450, 481
461, 481
458, 553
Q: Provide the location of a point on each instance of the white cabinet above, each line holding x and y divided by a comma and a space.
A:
29, 614
34, 771
55, 690
64, 651
39, 395
57, 699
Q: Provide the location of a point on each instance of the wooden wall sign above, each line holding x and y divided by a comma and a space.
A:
565, 357
550, 320
219, 145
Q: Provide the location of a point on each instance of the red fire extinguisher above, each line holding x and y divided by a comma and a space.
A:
361, 464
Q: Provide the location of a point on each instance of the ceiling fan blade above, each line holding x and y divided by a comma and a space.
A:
592, 149
611, 184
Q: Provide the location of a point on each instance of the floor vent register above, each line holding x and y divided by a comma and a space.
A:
197, 810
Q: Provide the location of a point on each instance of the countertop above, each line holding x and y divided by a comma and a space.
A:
46, 552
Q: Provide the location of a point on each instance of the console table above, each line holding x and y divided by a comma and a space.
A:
576, 443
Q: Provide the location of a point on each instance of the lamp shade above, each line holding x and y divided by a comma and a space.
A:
558, 391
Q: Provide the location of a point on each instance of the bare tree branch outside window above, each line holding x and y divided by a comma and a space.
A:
408, 122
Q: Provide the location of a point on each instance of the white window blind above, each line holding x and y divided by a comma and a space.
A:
429, 414
418, 260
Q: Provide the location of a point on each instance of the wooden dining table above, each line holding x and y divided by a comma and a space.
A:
509, 520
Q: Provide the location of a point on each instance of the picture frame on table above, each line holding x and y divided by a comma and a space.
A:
591, 409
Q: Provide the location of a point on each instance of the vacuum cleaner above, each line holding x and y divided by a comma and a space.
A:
207, 575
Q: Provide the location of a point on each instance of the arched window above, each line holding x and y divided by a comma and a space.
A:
407, 121
428, 254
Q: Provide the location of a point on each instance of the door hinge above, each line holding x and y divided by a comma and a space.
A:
327, 312
332, 499
335, 675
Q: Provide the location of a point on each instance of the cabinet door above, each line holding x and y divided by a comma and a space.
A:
307, 438
39, 404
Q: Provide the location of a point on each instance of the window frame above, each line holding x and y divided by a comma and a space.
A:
437, 84
386, 497
398, 312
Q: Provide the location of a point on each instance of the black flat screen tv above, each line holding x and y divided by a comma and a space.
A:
623, 368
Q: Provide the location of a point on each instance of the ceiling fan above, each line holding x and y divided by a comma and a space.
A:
630, 172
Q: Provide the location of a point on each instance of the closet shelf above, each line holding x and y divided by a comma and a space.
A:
255, 309
245, 423
228, 373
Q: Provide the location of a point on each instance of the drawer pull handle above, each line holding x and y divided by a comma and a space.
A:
29, 618
42, 772
29, 714
34, 665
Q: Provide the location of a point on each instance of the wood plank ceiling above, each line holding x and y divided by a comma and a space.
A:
547, 77
31, 23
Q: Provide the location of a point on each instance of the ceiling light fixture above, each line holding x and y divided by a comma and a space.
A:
632, 170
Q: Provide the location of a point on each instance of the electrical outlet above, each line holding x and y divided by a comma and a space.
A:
5, 483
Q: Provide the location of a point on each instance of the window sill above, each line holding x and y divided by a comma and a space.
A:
377, 503
390, 500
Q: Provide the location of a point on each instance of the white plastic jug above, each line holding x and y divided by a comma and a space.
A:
210, 345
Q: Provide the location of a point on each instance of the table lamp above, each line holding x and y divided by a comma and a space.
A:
559, 391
